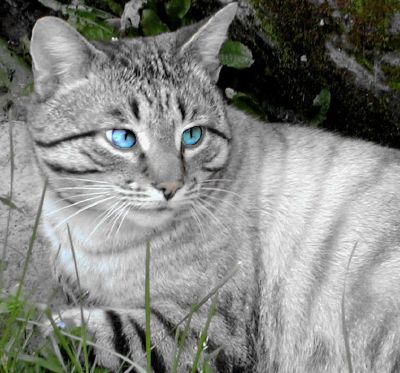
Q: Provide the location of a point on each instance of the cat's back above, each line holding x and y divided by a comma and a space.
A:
327, 200
323, 163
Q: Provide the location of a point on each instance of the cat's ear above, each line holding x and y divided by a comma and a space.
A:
60, 55
207, 40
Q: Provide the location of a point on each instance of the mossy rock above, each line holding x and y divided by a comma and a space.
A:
335, 64
352, 49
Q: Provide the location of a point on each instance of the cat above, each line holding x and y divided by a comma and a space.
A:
138, 145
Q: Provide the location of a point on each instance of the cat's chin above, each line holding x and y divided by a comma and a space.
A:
150, 219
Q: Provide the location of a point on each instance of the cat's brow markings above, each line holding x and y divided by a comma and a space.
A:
118, 114
181, 108
134, 105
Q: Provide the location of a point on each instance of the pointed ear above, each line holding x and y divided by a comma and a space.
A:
60, 55
206, 42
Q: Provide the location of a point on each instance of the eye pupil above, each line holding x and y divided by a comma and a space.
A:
192, 136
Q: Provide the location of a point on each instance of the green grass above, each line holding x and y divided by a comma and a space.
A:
68, 351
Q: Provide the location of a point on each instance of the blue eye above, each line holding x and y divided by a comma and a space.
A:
192, 136
123, 139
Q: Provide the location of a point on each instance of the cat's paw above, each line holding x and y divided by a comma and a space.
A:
97, 329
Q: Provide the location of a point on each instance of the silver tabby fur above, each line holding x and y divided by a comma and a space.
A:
286, 202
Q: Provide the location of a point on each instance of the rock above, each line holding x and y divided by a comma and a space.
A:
302, 48
39, 284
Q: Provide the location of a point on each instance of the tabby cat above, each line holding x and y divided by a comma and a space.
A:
139, 146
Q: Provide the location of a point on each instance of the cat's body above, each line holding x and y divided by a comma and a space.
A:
288, 203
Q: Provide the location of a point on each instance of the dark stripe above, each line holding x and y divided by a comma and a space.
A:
147, 96
134, 107
211, 169
165, 66
167, 324
170, 326
218, 133
396, 365
181, 108
61, 169
121, 343
92, 158
157, 361
224, 308
375, 345
49, 144
117, 113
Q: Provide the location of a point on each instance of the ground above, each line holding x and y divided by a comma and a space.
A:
26, 195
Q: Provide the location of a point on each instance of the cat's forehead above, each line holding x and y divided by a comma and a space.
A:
149, 71
142, 59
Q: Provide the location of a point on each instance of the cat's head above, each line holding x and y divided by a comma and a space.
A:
132, 127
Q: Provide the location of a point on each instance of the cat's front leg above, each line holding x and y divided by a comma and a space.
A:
123, 331
99, 330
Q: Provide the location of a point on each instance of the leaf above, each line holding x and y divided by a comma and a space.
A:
207, 367
110, 5
37, 361
249, 105
323, 102
3, 265
151, 24
9, 203
177, 8
235, 54
90, 26
3, 308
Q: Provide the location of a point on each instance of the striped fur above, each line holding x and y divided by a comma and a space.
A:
288, 203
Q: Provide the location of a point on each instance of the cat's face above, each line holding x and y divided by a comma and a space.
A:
136, 133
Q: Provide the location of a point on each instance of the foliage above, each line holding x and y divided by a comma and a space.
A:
177, 8
235, 54
151, 24
322, 102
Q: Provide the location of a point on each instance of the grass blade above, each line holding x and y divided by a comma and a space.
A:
32, 240
148, 310
198, 305
19, 306
64, 343
40, 362
83, 323
204, 333
181, 340
12, 167
344, 326
79, 339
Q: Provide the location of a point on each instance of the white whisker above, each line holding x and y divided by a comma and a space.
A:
94, 187
79, 179
123, 218
201, 202
77, 203
212, 180
78, 195
222, 190
107, 214
118, 212
236, 208
198, 220
83, 209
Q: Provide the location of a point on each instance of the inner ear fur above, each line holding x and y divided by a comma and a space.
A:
60, 55
204, 40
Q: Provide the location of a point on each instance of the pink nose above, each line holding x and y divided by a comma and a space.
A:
169, 188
